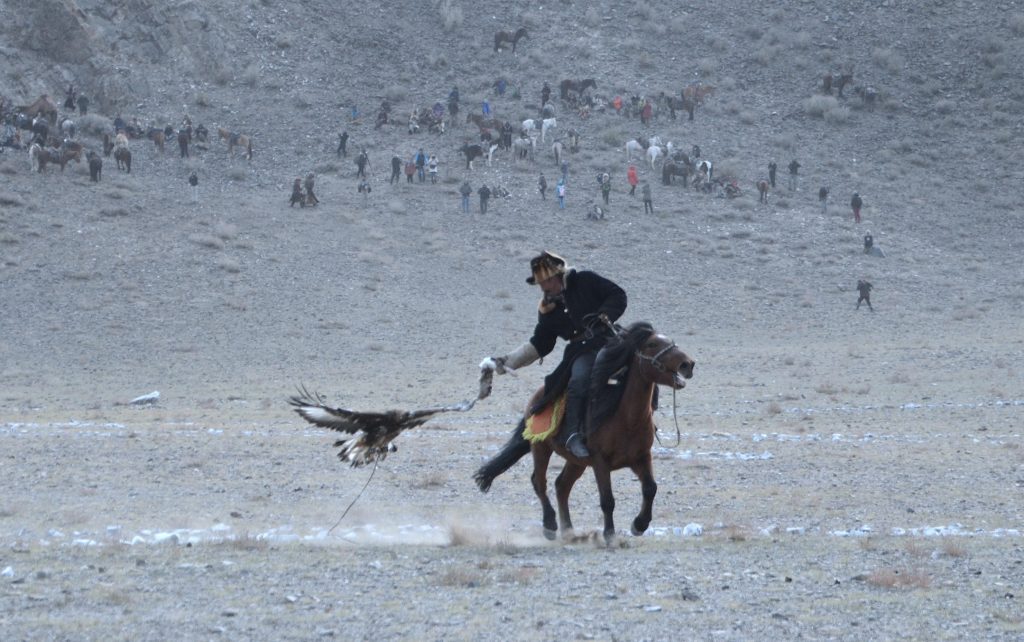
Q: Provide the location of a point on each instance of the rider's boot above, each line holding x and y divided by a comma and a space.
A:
575, 410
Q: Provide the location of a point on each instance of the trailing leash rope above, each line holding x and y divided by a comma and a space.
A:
353, 503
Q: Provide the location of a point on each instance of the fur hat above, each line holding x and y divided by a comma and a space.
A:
545, 266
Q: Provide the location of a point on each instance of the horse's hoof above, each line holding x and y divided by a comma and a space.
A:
609, 539
636, 530
550, 535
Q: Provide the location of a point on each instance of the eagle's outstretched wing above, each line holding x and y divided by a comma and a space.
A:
377, 429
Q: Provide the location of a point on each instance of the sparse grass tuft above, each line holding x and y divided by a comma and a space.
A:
1016, 24
202, 99
10, 200
894, 578
887, 59
207, 241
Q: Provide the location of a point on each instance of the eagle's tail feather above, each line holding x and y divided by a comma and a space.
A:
515, 449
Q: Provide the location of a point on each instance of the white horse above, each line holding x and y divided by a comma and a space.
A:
545, 125
33, 156
529, 125
632, 146
653, 141
68, 127
121, 141
490, 152
654, 152
557, 149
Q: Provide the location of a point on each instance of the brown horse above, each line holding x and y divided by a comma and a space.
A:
697, 92
158, 137
123, 156
484, 123
575, 86
43, 106
502, 37
73, 152
236, 140
621, 431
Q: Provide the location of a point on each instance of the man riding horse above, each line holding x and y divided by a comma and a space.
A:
579, 307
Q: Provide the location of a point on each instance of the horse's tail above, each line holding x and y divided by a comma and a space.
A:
514, 450
249, 149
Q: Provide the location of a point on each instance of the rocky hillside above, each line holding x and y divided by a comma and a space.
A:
141, 280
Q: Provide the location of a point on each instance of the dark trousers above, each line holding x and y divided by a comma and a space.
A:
576, 397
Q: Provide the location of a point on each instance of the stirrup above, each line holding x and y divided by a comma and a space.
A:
574, 444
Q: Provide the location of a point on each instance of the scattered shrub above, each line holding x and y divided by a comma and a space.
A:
451, 14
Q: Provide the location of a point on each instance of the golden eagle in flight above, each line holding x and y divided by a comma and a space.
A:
372, 432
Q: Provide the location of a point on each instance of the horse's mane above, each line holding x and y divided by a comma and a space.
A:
605, 397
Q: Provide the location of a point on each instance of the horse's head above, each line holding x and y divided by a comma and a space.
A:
663, 362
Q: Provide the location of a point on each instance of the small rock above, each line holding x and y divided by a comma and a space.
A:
150, 398
8, 572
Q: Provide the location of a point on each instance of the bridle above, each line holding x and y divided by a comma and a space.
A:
658, 365
655, 361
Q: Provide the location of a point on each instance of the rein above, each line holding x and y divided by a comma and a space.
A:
656, 363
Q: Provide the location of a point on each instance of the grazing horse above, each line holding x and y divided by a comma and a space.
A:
502, 37
620, 427
762, 189
95, 167
123, 156
575, 86
236, 140
697, 92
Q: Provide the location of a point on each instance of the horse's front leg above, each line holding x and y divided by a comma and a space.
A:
649, 488
541, 457
563, 487
603, 476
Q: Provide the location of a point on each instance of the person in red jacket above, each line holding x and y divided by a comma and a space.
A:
633, 179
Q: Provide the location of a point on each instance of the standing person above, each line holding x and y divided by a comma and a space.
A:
646, 112
633, 179
297, 194
864, 289
432, 169
823, 199
560, 191
606, 187
396, 170
542, 187
545, 95
645, 191
485, 195
869, 242
772, 168
342, 144
579, 307
794, 167
83, 105
410, 171
485, 107
69, 98
362, 161
193, 182
465, 190
421, 162
311, 198
565, 170
855, 205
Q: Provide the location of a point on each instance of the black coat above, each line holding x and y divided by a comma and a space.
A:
586, 293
